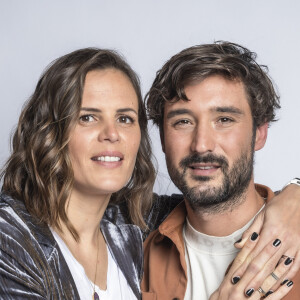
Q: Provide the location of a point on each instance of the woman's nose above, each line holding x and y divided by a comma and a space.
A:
108, 132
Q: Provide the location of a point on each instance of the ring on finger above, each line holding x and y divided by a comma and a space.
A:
274, 276
285, 256
261, 291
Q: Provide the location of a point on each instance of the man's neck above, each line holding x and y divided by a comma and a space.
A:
226, 222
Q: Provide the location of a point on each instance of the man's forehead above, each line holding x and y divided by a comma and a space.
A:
214, 93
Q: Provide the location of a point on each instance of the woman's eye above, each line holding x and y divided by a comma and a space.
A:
86, 118
125, 119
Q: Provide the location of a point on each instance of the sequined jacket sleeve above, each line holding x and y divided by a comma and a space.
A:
31, 264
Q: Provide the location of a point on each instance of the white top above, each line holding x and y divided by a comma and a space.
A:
207, 259
117, 286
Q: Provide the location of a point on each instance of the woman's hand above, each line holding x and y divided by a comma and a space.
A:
279, 220
275, 285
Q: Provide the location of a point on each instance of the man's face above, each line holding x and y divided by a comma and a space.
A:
209, 142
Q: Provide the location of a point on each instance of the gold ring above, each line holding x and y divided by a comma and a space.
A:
261, 291
274, 276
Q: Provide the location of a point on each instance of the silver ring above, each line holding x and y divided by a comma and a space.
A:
261, 291
291, 257
274, 276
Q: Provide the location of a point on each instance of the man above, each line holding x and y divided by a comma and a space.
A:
213, 105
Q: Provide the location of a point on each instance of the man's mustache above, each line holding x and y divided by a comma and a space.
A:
207, 158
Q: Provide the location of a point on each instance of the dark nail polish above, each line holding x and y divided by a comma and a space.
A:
288, 261
284, 282
290, 283
249, 292
254, 236
238, 241
269, 293
276, 243
235, 279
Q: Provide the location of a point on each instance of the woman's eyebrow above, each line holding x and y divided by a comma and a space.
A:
120, 110
90, 109
127, 109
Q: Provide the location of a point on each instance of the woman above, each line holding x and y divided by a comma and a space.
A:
81, 143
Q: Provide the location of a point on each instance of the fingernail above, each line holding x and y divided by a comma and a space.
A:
238, 241
284, 282
288, 261
235, 279
269, 293
290, 283
254, 236
276, 243
249, 292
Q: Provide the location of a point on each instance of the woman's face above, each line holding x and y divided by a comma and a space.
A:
105, 141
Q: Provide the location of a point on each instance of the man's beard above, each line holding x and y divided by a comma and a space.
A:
215, 199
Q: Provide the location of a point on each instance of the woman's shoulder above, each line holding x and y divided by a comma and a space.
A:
28, 248
161, 207
20, 231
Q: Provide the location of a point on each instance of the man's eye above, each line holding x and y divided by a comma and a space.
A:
225, 120
125, 119
182, 122
86, 118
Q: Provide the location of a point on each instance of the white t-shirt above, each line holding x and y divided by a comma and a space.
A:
117, 286
207, 259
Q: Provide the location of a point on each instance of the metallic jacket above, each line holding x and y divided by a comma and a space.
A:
33, 267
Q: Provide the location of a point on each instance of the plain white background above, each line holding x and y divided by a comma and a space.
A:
147, 33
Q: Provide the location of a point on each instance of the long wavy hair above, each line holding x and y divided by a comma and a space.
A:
39, 171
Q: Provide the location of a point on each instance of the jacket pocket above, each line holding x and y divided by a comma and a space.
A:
148, 296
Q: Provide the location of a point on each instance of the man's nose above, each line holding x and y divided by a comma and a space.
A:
203, 139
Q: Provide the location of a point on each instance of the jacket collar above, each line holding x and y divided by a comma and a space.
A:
173, 224
126, 247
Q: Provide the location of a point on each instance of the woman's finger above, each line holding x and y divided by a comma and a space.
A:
242, 256
278, 294
252, 267
255, 227
273, 280
295, 266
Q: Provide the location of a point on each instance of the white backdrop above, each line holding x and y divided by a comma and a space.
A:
34, 32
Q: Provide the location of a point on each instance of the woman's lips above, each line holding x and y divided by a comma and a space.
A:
110, 159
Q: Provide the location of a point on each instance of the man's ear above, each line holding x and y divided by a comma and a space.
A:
162, 139
261, 136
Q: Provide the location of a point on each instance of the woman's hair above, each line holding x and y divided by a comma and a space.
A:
39, 171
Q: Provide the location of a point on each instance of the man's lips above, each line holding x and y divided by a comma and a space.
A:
201, 166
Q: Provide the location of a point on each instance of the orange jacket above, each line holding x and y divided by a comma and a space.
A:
165, 270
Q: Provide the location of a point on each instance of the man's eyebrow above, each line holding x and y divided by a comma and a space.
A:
228, 109
97, 110
177, 112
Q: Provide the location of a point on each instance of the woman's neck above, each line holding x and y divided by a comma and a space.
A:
84, 213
